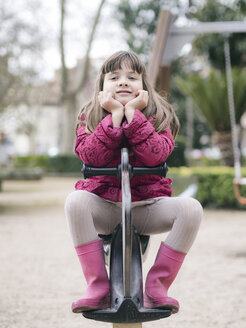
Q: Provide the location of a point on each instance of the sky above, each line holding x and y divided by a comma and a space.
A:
80, 15
109, 35
79, 19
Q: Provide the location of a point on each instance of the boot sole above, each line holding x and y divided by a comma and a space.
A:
150, 303
104, 304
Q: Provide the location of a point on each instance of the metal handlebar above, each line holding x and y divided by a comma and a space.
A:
90, 171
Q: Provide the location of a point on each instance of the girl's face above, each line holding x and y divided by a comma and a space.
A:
123, 83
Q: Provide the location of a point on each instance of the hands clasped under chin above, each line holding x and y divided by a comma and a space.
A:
118, 110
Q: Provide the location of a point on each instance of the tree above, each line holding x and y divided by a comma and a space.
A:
19, 43
209, 96
136, 19
139, 22
68, 95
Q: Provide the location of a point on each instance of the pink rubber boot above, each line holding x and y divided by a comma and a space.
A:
97, 295
161, 275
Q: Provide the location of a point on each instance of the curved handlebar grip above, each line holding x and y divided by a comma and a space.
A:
89, 171
156, 170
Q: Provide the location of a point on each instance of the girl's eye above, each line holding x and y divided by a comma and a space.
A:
113, 78
132, 78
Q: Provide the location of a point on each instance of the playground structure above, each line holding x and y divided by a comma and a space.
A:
169, 41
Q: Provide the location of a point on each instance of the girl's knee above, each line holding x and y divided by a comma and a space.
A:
196, 208
193, 211
76, 200
70, 201
196, 212
74, 197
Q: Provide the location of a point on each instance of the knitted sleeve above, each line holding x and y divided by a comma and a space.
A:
97, 149
150, 147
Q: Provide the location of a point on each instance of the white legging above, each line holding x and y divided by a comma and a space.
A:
89, 214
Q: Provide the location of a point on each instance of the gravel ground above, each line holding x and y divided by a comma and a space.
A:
40, 274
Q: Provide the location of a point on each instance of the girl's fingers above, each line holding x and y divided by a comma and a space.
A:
144, 97
142, 93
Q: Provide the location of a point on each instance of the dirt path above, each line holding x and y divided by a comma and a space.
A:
40, 274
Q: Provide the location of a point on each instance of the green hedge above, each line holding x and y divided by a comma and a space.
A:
54, 164
177, 157
31, 161
65, 163
215, 185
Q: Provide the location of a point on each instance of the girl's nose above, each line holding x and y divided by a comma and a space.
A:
122, 81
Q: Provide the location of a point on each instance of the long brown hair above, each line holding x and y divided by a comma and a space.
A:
157, 107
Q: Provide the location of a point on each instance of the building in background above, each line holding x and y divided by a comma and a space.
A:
37, 127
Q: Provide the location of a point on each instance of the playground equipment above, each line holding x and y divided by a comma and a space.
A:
169, 41
127, 248
238, 180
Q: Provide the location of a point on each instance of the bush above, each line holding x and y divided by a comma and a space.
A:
65, 163
177, 157
31, 161
55, 164
215, 185
217, 190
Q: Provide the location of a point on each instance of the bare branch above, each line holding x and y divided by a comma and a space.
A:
64, 80
89, 45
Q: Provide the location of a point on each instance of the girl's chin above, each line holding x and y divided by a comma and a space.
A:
124, 101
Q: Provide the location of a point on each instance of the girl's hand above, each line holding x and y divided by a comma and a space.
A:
112, 106
109, 103
140, 102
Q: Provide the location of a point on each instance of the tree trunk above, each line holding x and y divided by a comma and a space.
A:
69, 111
224, 142
32, 141
88, 50
189, 129
68, 98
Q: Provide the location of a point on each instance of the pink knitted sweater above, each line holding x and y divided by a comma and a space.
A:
146, 147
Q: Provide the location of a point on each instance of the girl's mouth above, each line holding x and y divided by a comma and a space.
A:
123, 92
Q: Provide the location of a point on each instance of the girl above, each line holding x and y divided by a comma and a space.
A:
126, 111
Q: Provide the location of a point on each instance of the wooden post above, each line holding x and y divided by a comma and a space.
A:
159, 45
163, 80
127, 325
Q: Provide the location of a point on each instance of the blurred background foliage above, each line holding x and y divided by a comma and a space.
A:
186, 81
214, 183
21, 43
197, 85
